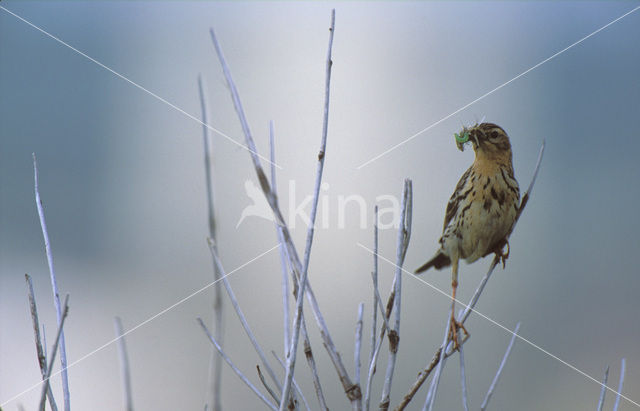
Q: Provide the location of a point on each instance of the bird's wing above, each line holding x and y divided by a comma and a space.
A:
457, 196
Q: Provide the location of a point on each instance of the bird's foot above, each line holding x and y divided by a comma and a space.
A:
502, 255
454, 326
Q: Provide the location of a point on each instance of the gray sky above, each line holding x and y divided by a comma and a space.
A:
122, 181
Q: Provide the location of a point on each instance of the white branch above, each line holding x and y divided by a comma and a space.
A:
45, 387
235, 369
604, 389
497, 376
124, 365
54, 287
622, 369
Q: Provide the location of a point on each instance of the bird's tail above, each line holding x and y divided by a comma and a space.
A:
440, 260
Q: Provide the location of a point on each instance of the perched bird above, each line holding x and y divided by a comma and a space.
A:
483, 208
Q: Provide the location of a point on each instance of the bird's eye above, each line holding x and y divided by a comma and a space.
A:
494, 135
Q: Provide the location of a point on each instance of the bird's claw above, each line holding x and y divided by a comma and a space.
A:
502, 255
454, 326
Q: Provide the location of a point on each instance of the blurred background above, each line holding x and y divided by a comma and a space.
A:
122, 181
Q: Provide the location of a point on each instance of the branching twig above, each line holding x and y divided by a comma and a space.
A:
215, 374
604, 389
54, 287
45, 387
358, 344
124, 365
352, 390
295, 384
234, 368
273, 394
374, 277
42, 356
504, 361
404, 235
241, 317
622, 369
463, 379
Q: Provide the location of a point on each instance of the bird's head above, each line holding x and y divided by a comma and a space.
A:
487, 139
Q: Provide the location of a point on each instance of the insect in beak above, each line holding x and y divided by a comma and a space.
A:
461, 139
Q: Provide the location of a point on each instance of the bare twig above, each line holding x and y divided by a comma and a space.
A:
273, 394
404, 235
502, 363
295, 384
241, 317
291, 359
215, 367
424, 374
45, 387
42, 356
124, 365
374, 277
54, 287
463, 379
234, 368
358, 344
431, 395
352, 390
623, 364
285, 288
283, 256
604, 389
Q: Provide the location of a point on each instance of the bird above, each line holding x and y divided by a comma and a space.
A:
482, 210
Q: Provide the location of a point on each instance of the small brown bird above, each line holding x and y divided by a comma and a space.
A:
482, 210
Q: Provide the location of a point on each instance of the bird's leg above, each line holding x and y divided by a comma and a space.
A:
504, 255
453, 324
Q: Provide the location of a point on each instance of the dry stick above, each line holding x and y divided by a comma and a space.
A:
124, 365
54, 287
502, 363
358, 344
431, 395
285, 289
45, 387
376, 351
295, 384
404, 235
215, 367
604, 389
463, 380
291, 359
352, 390
266, 386
234, 368
283, 256
374, 275
42, 356
424, 374
622, 368
241, 317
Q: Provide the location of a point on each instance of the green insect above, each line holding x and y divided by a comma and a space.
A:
462, 139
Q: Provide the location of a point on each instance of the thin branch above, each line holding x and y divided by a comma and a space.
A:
431, 395
241, 317
463, 379
234, 368
352, 390
54, 287
285, 287
358, 344
291, 359
404, 235
374, 277
604, 389
504, 361
295, 384
215, 367
283, 256
424, 374
124, 364
42, 356
623, 364
273, 394
46, 385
